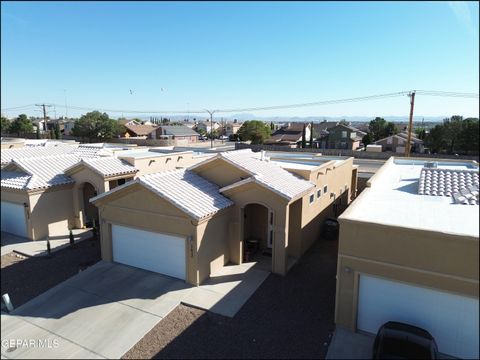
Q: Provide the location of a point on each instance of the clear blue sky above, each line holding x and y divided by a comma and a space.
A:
223, 55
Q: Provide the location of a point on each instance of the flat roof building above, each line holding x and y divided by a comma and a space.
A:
409, 252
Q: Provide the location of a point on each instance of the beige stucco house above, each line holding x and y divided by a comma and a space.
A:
409, 252
233, 207
46, 191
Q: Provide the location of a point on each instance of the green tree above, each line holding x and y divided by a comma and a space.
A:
95, 126
389, 130
344, 122
58, 135
468, 139
254, 130
304, 140
453, 127
21, 125
5, 125
377, 128
37, 134
367, 139
436, 139
420, 133
272, 126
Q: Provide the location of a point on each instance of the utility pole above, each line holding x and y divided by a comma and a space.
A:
410, 124
44, 106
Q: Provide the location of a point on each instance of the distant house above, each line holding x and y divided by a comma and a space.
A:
396, 143
190, 124
128, 122
232, 128
145, 131
324, 126
289, 135
178, 132
344, 137
206, 126
68, 125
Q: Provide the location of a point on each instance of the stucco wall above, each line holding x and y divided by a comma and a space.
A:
212, 244
433, 260
314, 214
51, 213
221, 173
159, 163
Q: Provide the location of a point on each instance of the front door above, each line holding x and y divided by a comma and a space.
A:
270, 229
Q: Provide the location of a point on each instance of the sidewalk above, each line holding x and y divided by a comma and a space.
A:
28, 247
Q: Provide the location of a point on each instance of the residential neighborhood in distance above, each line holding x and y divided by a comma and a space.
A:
253, 180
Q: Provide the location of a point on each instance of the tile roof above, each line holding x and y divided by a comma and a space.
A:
15, 179
462, 185
324, 125
178, 130
8, 155
107, 166
141, 130
42, 172
186, 190
267, 173
89, 150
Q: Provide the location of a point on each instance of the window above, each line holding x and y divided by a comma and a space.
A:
344, 134
325, 189
319, 193
121, 181
312, 197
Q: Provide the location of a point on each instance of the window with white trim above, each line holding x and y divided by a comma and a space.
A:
312, 198
325, 189
319, 193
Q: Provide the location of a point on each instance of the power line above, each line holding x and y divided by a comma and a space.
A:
274, 107
317, 103
18, 107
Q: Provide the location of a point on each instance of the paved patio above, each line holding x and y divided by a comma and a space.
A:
28, 247
227, 290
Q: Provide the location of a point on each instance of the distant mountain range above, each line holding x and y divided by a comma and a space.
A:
244, 116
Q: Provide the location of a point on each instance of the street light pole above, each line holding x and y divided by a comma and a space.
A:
211, 112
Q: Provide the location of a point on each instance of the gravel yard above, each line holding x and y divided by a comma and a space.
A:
25, 278
288, 317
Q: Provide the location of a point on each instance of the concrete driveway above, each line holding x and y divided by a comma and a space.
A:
105, 310
100, 313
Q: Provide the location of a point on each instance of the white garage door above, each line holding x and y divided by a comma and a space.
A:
451, 319
151, 251
13, 218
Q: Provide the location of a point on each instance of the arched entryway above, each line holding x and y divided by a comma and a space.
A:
90, 211
258, 235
